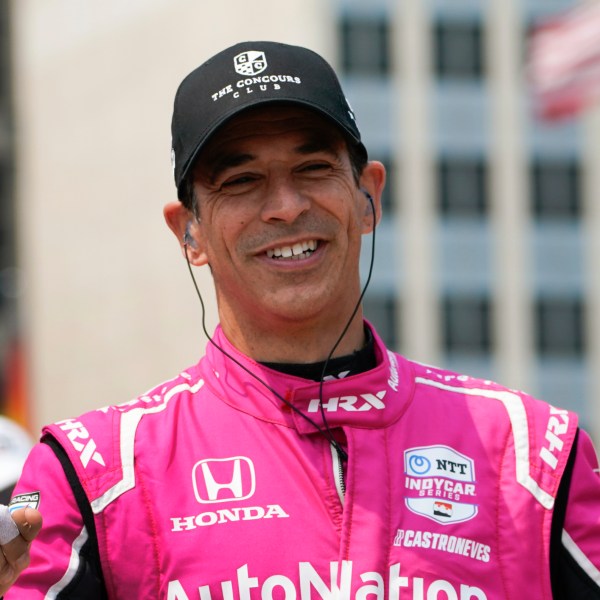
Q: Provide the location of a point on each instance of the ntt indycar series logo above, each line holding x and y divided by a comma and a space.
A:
309, 584
440, 484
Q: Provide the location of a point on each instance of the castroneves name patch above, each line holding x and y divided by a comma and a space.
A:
439, 484
334, 583
430, 540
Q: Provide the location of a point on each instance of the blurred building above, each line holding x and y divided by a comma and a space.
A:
105, 306
485, 257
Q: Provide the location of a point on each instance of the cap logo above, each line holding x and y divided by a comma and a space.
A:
250, 63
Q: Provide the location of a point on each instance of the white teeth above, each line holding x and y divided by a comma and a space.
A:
295, 252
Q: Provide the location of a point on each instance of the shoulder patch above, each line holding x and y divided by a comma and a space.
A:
27, 500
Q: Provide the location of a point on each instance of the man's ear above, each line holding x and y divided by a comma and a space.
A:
372, 182
184, 224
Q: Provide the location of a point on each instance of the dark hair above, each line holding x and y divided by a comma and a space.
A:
358, 159
188, 194
356, 154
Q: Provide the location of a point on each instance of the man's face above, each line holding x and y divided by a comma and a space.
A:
281, 217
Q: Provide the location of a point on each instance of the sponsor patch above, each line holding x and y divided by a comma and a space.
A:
360, 403
430, 540
558, 426
84, 445
440, 484
227, 515
252, 62
223, 479
339, 579
28, 500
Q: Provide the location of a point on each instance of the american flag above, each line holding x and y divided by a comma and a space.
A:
564, 62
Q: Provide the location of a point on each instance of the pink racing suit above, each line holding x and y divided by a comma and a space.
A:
209, 486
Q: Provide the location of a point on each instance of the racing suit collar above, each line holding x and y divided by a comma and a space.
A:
337, 368
374, 399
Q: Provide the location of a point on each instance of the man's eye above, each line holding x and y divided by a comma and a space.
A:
315, 167
241, 180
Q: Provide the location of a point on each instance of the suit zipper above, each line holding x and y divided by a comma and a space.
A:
338, 474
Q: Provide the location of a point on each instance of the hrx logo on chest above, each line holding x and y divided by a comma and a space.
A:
360, 403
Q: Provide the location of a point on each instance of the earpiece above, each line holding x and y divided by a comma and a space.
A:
370, 208
187, 236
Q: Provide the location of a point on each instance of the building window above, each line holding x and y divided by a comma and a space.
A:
458, 49
555, 189
380, 310
462, 187
364, 46
467, 324
559, 327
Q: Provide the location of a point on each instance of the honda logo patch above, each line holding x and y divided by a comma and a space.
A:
223, 479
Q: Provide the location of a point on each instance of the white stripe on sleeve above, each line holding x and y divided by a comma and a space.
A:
580, 558
74, 561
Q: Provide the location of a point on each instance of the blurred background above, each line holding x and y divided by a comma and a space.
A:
484, 112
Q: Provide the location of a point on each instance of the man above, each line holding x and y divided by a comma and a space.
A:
300, 458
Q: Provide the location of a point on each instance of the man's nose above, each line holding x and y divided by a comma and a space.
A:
284, 202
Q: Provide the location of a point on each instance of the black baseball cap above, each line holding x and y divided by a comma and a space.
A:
250, 74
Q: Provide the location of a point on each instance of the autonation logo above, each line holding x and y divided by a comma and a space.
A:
310, 585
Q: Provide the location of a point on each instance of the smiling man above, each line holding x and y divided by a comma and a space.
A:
280, 219
301, 458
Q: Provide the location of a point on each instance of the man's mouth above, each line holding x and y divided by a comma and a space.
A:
296, 252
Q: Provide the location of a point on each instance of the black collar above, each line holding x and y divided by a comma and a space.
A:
337, 368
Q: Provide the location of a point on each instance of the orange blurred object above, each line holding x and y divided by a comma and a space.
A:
16, 405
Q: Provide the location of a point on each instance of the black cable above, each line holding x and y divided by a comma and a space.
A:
341, 452
327, 432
